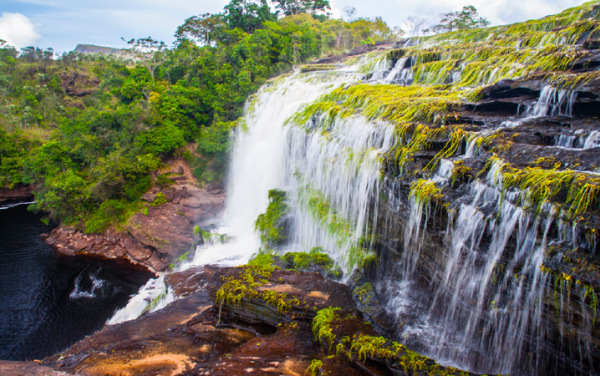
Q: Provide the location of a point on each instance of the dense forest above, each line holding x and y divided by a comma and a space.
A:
87, 131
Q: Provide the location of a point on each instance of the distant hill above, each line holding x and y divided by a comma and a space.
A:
91, 49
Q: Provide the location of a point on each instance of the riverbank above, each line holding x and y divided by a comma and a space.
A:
159, 234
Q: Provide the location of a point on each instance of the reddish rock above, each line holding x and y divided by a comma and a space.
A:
154, 240
18, 193
149, 197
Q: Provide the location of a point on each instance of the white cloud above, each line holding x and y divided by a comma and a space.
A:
18, 30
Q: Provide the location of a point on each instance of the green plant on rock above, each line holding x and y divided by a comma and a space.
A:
541, 185
179, 260
160, 199
321, 325
315, 367
425, 191
302, 260
270, 224
460, 170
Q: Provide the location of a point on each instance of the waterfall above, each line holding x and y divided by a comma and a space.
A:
266, 155
488, 300
482, 308
553, 102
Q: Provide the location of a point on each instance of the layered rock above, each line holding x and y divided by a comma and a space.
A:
20, 193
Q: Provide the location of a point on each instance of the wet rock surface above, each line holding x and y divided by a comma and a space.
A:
194, 336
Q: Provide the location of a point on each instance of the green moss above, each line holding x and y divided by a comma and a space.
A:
160, 199
262, 261
542, 185
270, 225
362, 347
393, 103
425, 191
179, 260
302, 260
314, 367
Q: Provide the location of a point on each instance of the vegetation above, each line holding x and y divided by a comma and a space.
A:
303, 261
271, 224
465, 19
539, 186
361, 347
86, 131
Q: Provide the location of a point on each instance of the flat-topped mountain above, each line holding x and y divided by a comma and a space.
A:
91, 49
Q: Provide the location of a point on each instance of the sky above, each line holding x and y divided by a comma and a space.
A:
62, 24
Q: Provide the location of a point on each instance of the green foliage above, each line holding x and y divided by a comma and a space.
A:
362, 347
262, 260
160, 199
270, 224
101, 143
110, 212
321, 325
465, 19
314, 367
542, 185
179, 260
425, 191
303, 261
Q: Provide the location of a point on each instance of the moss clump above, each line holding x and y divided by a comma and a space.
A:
271, 224
542, 185
160, 199
303, 261
460, 171
315, 367
316, 259
262, 261
364, 293
396, 104
362, 347
425, 191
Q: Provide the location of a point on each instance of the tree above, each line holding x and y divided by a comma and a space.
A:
148, 52
467, 18
204, 29
248, 15
293, 7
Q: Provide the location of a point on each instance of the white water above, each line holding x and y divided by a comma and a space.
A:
487, 304
453, 332
96, 286
262, 161
553, 102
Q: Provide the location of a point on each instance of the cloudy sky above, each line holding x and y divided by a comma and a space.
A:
62, 24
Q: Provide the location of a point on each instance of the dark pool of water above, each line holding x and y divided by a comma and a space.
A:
47, 302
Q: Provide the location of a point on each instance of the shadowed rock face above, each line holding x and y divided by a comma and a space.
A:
18, 194
191, 336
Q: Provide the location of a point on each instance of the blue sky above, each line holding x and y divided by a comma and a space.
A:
62, 24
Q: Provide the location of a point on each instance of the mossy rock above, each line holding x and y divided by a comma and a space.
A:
314, 261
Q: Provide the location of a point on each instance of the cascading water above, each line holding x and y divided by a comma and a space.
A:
266, 154
485, 311
553, 102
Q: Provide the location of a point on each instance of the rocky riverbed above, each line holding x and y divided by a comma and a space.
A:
286, 322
